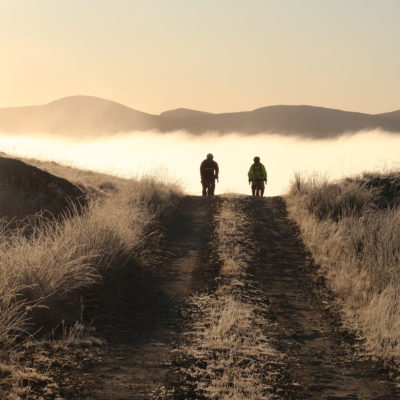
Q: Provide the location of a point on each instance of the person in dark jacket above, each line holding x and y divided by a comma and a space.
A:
209, 173
257, 177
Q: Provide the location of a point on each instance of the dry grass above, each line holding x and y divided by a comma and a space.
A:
44, 275
20, 381
229, 342
359, 252
326, 200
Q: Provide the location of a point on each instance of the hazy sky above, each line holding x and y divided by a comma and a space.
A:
224, 55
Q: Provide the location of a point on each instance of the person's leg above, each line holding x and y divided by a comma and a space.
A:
262, 188
211, 188
253, 189
204, 192
256, 187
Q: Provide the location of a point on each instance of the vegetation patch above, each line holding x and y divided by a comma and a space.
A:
352, 228
46, 274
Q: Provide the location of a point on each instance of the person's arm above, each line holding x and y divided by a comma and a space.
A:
250, 174
201, 169
264, 171
216, 170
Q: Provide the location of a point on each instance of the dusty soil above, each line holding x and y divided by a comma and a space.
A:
144, 341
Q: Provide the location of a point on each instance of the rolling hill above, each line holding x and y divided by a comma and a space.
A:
87, 116
75, 115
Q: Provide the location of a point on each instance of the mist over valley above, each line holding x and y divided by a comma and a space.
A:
177, 156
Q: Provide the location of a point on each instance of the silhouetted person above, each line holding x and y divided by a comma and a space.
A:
258, 177
209, 173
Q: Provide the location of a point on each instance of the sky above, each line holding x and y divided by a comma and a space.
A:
216, 56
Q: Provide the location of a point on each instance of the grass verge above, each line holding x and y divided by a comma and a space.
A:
44, 276
355, 240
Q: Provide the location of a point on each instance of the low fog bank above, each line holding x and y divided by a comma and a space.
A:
177, 156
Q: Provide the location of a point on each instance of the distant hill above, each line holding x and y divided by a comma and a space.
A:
74, 116
392, 115
85, 116
183, 113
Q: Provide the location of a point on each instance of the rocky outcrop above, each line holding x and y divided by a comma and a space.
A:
26, 190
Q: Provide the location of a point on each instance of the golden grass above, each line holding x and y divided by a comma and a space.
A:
44, 275
229, 338
358, 249
20, 381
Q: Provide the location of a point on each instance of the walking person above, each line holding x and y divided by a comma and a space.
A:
257, 177
209, 171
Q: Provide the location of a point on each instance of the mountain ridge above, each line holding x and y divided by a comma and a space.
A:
88, 116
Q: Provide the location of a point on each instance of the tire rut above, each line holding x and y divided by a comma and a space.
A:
141, 343
319, 365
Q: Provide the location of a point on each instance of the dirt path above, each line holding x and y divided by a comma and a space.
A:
141, 343
319, 364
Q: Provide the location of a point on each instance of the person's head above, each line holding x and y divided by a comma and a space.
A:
256, 160
210, 156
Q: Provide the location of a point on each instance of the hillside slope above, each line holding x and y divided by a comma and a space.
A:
26, 190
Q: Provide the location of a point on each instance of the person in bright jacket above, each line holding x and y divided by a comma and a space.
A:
258, 177
209, 173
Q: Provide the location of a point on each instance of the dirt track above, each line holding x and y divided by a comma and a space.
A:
141, 342
318, 363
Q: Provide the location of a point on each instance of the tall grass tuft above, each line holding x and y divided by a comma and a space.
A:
44, 275
49, 265
329, 200
357, 246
